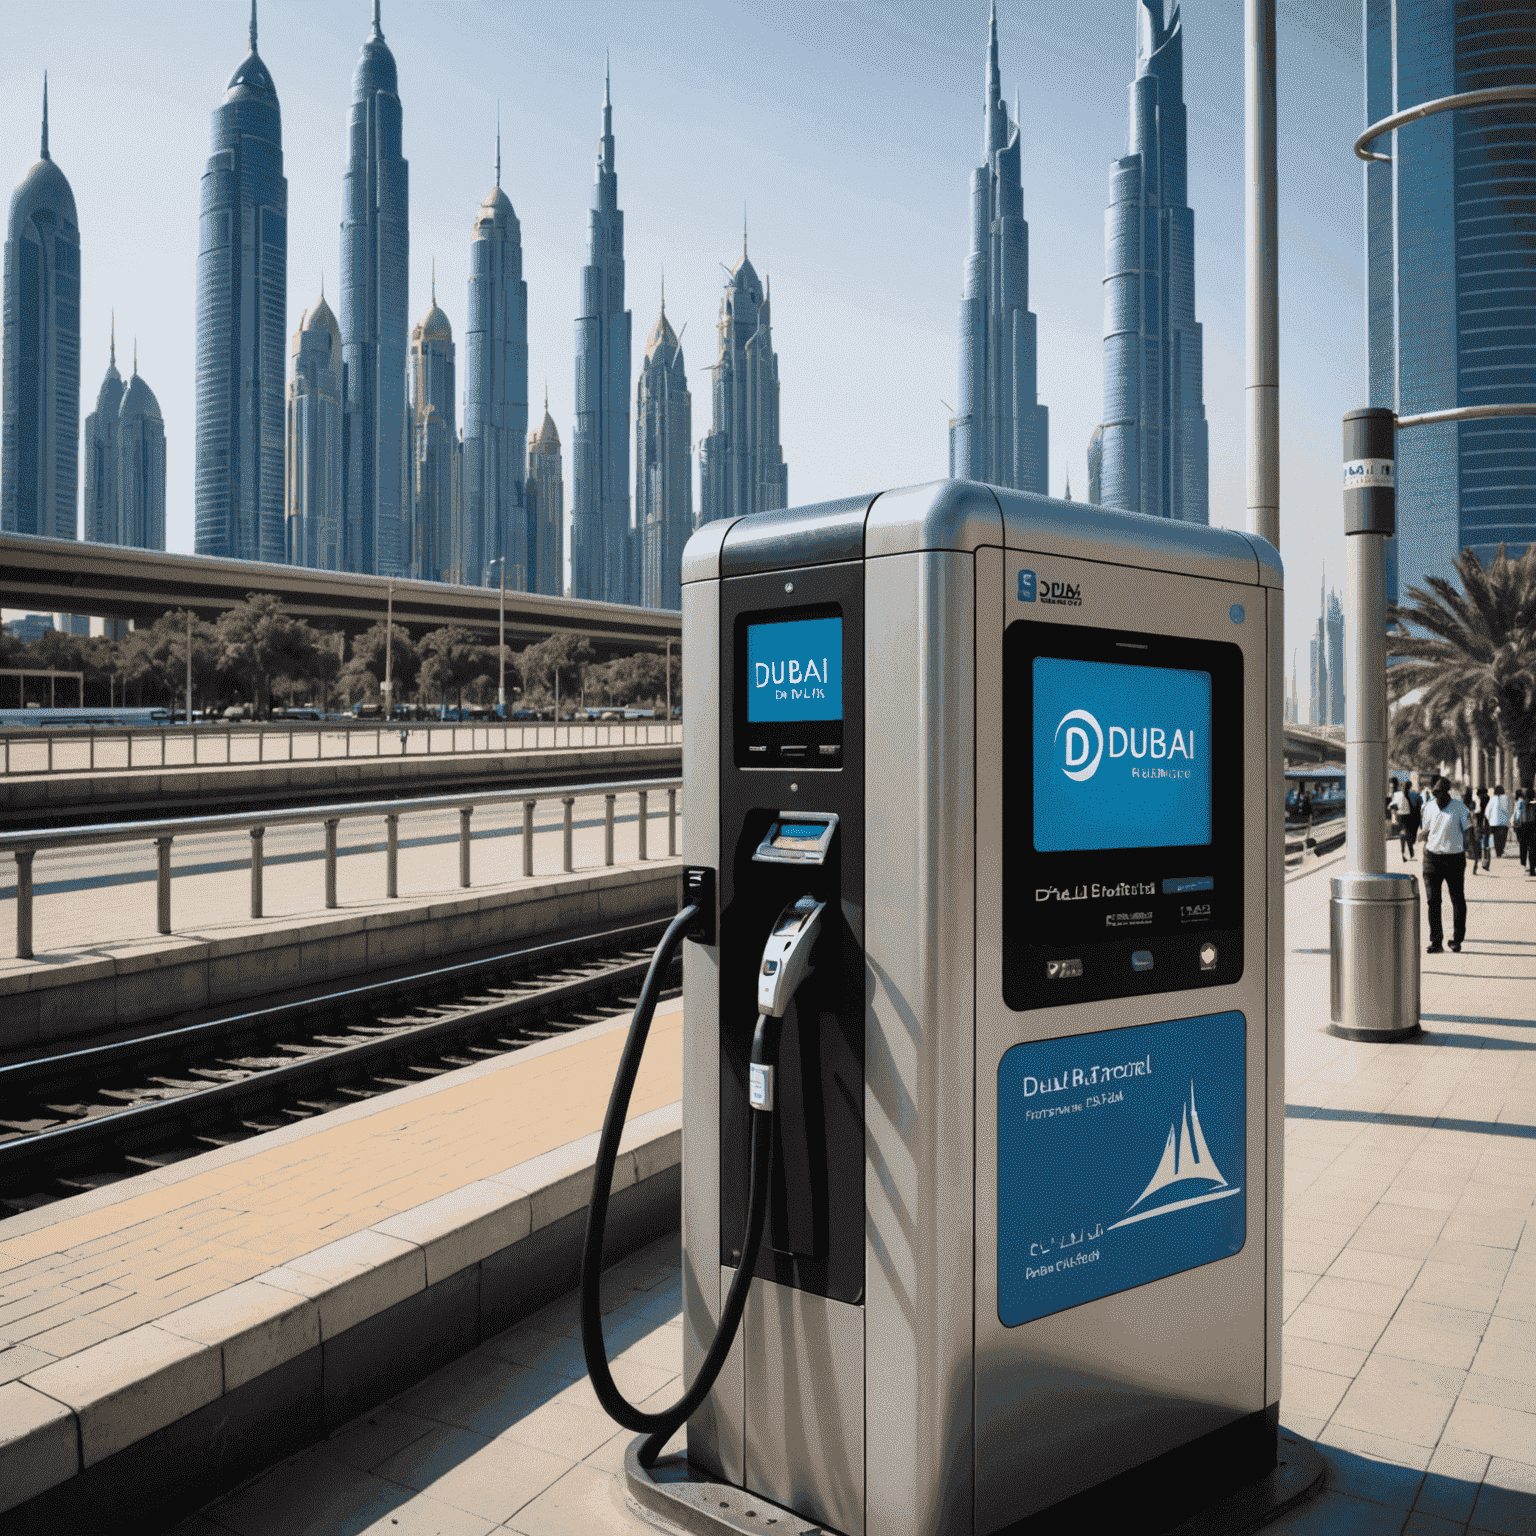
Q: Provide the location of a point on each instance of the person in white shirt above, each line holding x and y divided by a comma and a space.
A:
1499, 819
1407, 822
1448, 832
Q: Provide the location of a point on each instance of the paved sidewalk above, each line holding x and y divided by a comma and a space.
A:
1410, 1334
96, 1266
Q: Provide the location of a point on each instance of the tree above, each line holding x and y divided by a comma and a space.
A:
1470, 653
564, 657
154, 660
451, 659
364, 669
259, 641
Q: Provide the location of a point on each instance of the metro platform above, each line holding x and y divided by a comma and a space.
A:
1410, 1306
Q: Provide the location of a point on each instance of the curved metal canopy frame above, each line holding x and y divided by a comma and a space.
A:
1492, 97
1466, 100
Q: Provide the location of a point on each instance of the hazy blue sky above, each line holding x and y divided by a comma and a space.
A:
848, 127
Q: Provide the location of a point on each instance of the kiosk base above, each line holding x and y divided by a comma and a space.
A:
674, 1492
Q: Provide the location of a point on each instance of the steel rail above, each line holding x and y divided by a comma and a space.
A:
136, 1125
1465, 413
1464, 100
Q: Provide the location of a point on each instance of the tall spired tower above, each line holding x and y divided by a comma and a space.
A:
495, 506
999, 432
602, 565
434, 451
663, 466
102, 517
741, 461
40, 437
242, 295
1155, 453
375, 250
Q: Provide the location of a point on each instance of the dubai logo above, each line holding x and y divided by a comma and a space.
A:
1185, 1158
1082, 762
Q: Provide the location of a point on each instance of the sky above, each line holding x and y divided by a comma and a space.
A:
846, 131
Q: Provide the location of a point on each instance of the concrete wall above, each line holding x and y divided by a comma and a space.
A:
178, 973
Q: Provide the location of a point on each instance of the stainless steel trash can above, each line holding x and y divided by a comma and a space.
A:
1373, 942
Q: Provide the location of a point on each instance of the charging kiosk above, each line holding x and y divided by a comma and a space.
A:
1020, 1260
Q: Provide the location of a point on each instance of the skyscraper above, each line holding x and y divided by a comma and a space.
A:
601, 561
1333, 622
40, 430
313, 499
1096, 465
1451, 276
1156, 455
546, 508
495, 508
125, 463
1317, 705
375, 251
141, 466
434, 450
242, 288
741, 464
999, 434
102, 523
663, 466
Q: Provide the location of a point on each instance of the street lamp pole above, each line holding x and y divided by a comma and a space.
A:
501, 641
1263, 264
189, 666
388, 689
669, 685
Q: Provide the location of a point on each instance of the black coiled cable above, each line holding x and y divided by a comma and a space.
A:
661, 1426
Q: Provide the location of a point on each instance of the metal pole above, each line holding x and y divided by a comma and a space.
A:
392, 855
667, 736
388, 689
163, 884
24, 903
528, 806
644, 818
567, 801
256, 837
501, 645
189, 669
1365, 711
1263, 263
330, 860
608, 828
671, 823
465, 812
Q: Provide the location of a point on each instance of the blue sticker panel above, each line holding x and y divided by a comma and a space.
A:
1122, 756
795, 670
1121, 1159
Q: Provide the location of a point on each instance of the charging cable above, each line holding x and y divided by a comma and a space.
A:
788, 955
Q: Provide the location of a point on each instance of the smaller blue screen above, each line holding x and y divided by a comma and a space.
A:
1122, 756
795, 670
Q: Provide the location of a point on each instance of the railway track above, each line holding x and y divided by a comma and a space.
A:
76, 1121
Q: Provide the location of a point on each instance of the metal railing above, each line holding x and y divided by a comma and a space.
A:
26, 845
81, 748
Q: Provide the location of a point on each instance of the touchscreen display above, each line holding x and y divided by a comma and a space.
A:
795, 670
1122, 756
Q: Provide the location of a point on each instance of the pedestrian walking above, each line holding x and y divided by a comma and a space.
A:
1523, 819
1448, 834
1407, 822
1474, 836
1499, 812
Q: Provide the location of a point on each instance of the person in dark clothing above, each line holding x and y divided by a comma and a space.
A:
1447, 840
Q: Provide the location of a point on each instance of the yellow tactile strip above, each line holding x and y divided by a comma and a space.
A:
83, 1278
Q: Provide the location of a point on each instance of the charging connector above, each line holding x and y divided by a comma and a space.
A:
787, 955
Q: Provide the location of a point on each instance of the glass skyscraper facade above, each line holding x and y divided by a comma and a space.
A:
375, 252
1451, 276
1000, 431
40, 436
602, 560
1154, 455
242, 293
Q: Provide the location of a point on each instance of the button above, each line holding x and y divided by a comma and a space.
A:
1141, 960
769, 967
829, 751
1063, 970
1207, 957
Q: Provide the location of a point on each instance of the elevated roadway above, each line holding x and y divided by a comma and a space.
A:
109, 581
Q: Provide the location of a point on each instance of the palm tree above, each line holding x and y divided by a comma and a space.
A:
1471, 653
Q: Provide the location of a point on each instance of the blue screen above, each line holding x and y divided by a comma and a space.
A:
1121, 1159
795, 670
1122, 756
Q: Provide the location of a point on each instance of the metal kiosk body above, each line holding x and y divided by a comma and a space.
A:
1023, 1241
